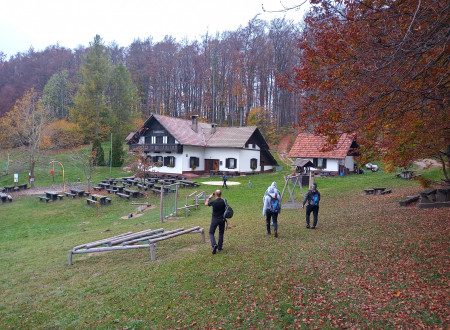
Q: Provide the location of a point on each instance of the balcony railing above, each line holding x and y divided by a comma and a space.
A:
159, 147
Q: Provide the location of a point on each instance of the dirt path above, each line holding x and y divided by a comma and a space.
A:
283, 149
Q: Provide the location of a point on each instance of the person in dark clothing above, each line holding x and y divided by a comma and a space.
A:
217, 219
224, 178
312, 197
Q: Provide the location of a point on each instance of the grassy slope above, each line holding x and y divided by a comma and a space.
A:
369, 263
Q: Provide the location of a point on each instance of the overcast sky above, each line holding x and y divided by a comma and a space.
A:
41, 23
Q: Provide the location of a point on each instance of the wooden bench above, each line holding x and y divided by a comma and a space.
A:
369, 191
409, 200
69, 194
96, 188
385, 192
108, 200
60, 197
87, 193
123, 195
89, 201
43, 198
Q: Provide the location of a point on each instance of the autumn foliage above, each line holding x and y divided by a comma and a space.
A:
378, 69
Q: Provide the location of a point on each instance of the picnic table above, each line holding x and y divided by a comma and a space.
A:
9, 189
100, 198
5, 198
77, 192
378, 190
52, 195
22, 186
104, 185
189, 183
132, 193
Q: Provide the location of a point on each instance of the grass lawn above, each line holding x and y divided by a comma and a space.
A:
369, 264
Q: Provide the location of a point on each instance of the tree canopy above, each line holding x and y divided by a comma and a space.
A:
380, 70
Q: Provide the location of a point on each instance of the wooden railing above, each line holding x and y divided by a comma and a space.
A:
177, 148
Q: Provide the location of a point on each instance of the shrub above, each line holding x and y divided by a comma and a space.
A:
99, 154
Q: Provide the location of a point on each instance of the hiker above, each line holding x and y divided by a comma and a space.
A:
312, 196
224, 178
271, 209
217, 219
274, 186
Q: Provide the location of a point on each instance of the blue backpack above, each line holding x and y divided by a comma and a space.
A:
315, 198
274, 205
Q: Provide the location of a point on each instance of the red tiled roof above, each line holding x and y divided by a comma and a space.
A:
309, 146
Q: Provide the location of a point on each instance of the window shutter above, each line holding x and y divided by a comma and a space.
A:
324, 163
227, 163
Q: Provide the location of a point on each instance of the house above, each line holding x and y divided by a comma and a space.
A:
338, 160
182, 146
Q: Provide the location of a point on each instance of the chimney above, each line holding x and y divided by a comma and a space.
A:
213, 128
195, 123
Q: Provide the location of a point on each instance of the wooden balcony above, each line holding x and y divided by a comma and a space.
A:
175, 148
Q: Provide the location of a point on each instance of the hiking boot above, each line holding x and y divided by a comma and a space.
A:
307, 227
214, 251
276, 234
220, 249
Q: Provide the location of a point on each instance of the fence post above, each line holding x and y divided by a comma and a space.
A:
161, 204
176, 200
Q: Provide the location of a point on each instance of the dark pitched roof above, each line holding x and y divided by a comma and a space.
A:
181, 129
310, 146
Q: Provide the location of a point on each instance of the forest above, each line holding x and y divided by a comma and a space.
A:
376, 69
221, 78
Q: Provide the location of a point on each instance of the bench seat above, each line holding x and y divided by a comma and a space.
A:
123, 195
89, 201
43, 198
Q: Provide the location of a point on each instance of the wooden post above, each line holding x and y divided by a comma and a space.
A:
203, 235
152, 251
70, 257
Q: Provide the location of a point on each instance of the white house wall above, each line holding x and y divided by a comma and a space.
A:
349, 163
191, 151
244, 159
222, 154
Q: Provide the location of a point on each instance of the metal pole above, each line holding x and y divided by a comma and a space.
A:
110, 159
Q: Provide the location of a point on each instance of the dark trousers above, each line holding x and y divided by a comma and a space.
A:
224, 184
212, 229
315, 210
274, 218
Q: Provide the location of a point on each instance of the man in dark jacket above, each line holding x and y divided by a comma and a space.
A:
217, 219
312, 197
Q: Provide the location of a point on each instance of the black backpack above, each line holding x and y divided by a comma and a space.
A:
228, 214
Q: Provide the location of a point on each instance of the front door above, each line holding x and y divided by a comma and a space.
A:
211, 165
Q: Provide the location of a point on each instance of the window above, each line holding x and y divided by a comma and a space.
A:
159, 139
169, 161
194, 161
231, 163
253, 163
165, 139
320, 162
156, 159
153, 139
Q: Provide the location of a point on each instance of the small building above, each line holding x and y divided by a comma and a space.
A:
182, 146
310, 147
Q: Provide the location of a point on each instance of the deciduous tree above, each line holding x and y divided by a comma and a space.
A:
23, 126
379, 69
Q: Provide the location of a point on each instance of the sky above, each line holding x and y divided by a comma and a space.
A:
41, 23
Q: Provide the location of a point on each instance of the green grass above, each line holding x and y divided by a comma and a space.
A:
370, 263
